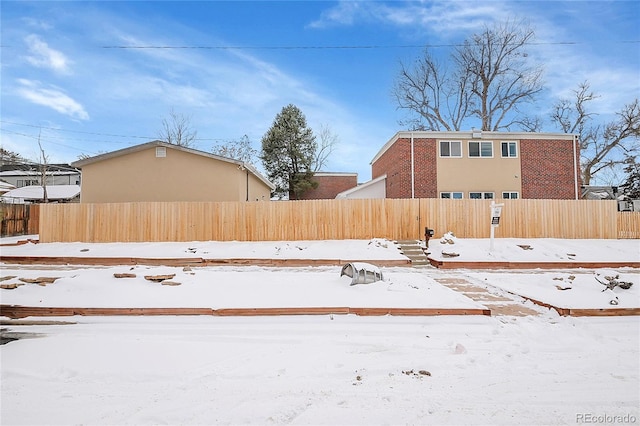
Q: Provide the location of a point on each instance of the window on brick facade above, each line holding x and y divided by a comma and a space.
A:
452, 195
450, 149
480, 149
509, 149
510, 195
481, 195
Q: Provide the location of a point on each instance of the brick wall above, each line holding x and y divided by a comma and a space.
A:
548, 169
396, 163
426, 172
330, 185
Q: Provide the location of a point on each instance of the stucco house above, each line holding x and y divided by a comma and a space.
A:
479, 165
159, 171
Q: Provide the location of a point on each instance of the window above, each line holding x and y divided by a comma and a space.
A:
20, 183
481, 195
453, 195
450, 149
161, 152
480, 149
509, 149
510, 195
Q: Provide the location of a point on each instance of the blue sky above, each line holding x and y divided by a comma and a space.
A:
65, 75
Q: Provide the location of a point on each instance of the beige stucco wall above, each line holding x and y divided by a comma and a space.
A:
180, 176
495, 174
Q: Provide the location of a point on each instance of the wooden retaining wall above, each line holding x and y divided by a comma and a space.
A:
331, 220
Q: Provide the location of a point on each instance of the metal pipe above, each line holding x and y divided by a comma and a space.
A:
413, 177
576, 167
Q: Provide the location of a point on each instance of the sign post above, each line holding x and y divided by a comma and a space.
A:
496, 212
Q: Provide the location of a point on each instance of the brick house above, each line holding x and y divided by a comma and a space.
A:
330, 184
475, 164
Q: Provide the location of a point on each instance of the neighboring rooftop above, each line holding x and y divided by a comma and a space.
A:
36, 192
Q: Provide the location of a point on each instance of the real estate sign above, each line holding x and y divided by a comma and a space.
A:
496, 212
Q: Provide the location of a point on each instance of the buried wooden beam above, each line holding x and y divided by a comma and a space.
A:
587, 312
444, 264
187, 261
418, 311
243, 312
17, 311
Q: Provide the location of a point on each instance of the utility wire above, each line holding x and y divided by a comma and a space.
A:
96, 134
373, 46
74, 131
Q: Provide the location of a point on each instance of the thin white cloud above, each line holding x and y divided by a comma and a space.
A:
52, 97
437, 16
43, 56
37, 23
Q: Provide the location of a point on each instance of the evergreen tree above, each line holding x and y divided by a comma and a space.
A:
631, 187
288, 152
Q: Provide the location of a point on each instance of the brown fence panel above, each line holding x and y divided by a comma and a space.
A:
628, 224
19, 219
34, 219
331, 219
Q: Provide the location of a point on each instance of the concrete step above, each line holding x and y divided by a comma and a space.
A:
410, 253
414, 251
406, 242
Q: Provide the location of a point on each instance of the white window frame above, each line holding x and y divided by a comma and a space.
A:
510, 195
452, 195
450, 142
483, 195
480, 143
508, 143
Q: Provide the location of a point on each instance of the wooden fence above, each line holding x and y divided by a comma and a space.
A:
331, 219
19, 219
628, 224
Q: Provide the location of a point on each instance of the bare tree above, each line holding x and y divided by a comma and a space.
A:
176, 129
489, 78
327, 141
440, 100
530, 124
43, 169
84, 155
10, 157
602, 146
241, 150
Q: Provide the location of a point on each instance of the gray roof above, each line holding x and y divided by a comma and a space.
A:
152, 144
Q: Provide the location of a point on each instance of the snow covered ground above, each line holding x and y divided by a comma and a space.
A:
338, 369
254, 286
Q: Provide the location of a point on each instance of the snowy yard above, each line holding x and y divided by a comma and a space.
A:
315, 370
325, 369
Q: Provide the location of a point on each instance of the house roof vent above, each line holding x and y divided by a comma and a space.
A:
476, 134
161, 152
